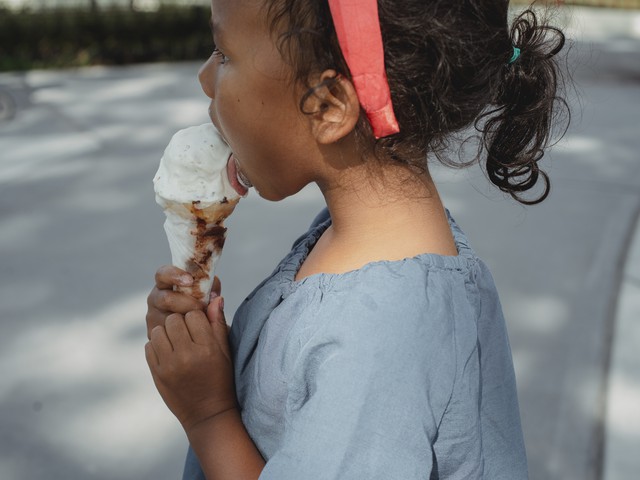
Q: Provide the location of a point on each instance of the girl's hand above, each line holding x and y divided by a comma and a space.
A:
163, 300
191, 364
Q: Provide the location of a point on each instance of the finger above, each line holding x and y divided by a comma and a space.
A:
151, 355
160, 341
215, 311
155, 318
199, 327
167, 276
177, 331
172, 302
216, 288
162, 303
215, 314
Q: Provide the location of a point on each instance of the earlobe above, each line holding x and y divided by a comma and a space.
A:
333, 107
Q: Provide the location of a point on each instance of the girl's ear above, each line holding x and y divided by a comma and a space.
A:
333, 108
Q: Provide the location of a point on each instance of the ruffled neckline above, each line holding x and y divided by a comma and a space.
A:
289, 267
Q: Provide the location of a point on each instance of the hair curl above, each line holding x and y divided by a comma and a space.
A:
448, 68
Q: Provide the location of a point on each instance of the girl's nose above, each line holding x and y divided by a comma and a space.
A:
205, 76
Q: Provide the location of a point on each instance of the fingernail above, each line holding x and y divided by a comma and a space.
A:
221, 304
185, 280
213, 296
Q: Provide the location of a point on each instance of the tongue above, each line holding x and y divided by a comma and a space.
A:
232, 174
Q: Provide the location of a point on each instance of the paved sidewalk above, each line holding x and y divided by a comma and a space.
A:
618, 35
622, 438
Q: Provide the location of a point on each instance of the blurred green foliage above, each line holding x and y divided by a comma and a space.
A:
68, 37
76, 37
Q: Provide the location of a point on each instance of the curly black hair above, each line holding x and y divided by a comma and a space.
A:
448, 65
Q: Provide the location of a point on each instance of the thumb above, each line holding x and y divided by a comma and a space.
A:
216, 288
215, 312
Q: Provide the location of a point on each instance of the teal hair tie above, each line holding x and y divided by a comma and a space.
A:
516, 54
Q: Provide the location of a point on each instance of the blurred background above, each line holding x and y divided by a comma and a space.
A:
90, 94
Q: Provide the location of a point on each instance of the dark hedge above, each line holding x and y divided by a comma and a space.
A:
77, 37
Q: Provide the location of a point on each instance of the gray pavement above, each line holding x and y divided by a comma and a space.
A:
80, 238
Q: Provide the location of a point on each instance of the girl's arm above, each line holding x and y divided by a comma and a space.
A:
225, 449
190, 361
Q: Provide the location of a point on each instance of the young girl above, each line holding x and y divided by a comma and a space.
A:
377, 348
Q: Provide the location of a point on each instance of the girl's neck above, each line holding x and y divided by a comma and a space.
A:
377, 217
378, 198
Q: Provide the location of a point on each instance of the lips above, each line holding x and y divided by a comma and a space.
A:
238, 181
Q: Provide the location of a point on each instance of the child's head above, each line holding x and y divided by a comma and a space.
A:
448, 66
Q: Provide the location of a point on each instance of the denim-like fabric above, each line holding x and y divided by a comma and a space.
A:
398, 370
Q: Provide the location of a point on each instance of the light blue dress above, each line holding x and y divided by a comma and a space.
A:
399, 370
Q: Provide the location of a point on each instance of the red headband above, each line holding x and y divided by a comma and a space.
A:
358, 28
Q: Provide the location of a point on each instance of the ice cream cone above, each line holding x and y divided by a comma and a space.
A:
193, 188
196, 238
